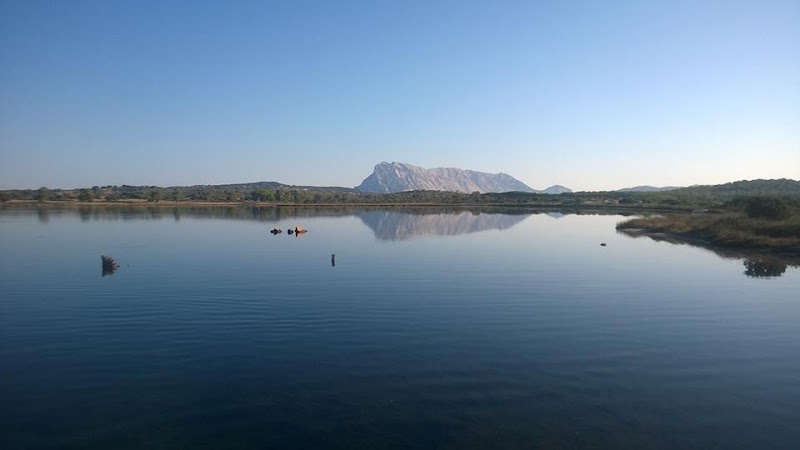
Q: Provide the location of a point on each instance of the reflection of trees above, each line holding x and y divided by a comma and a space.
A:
756, 263
150, 211
109, 265
764, 267
138, 213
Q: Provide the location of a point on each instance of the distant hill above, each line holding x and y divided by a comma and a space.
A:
268, 185
400, 177
556, 189
783, 187
648, 189
715, 195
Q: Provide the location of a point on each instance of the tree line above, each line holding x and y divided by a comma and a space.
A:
697, 196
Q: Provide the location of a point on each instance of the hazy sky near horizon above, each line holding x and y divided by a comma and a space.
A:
592, 95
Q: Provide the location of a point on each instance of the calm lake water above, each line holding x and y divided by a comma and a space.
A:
447, 329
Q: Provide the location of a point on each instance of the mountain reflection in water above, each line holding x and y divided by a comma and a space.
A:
394, 226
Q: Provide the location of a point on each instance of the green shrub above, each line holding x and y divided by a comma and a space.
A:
767, 208
85, 195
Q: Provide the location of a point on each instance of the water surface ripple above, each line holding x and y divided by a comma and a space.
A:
444, 330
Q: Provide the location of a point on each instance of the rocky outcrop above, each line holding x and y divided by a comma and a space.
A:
400, 177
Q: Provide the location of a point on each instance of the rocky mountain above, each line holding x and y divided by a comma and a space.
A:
399, 177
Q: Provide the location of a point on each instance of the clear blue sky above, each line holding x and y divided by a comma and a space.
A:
591, 95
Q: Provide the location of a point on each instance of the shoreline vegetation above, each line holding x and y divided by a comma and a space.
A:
276, 194
758, 223
551, 206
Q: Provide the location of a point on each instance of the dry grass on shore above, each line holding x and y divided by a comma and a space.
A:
725, 229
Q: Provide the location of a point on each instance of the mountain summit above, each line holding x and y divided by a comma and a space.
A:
399, 177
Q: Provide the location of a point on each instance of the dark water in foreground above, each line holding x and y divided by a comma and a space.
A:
450, 330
